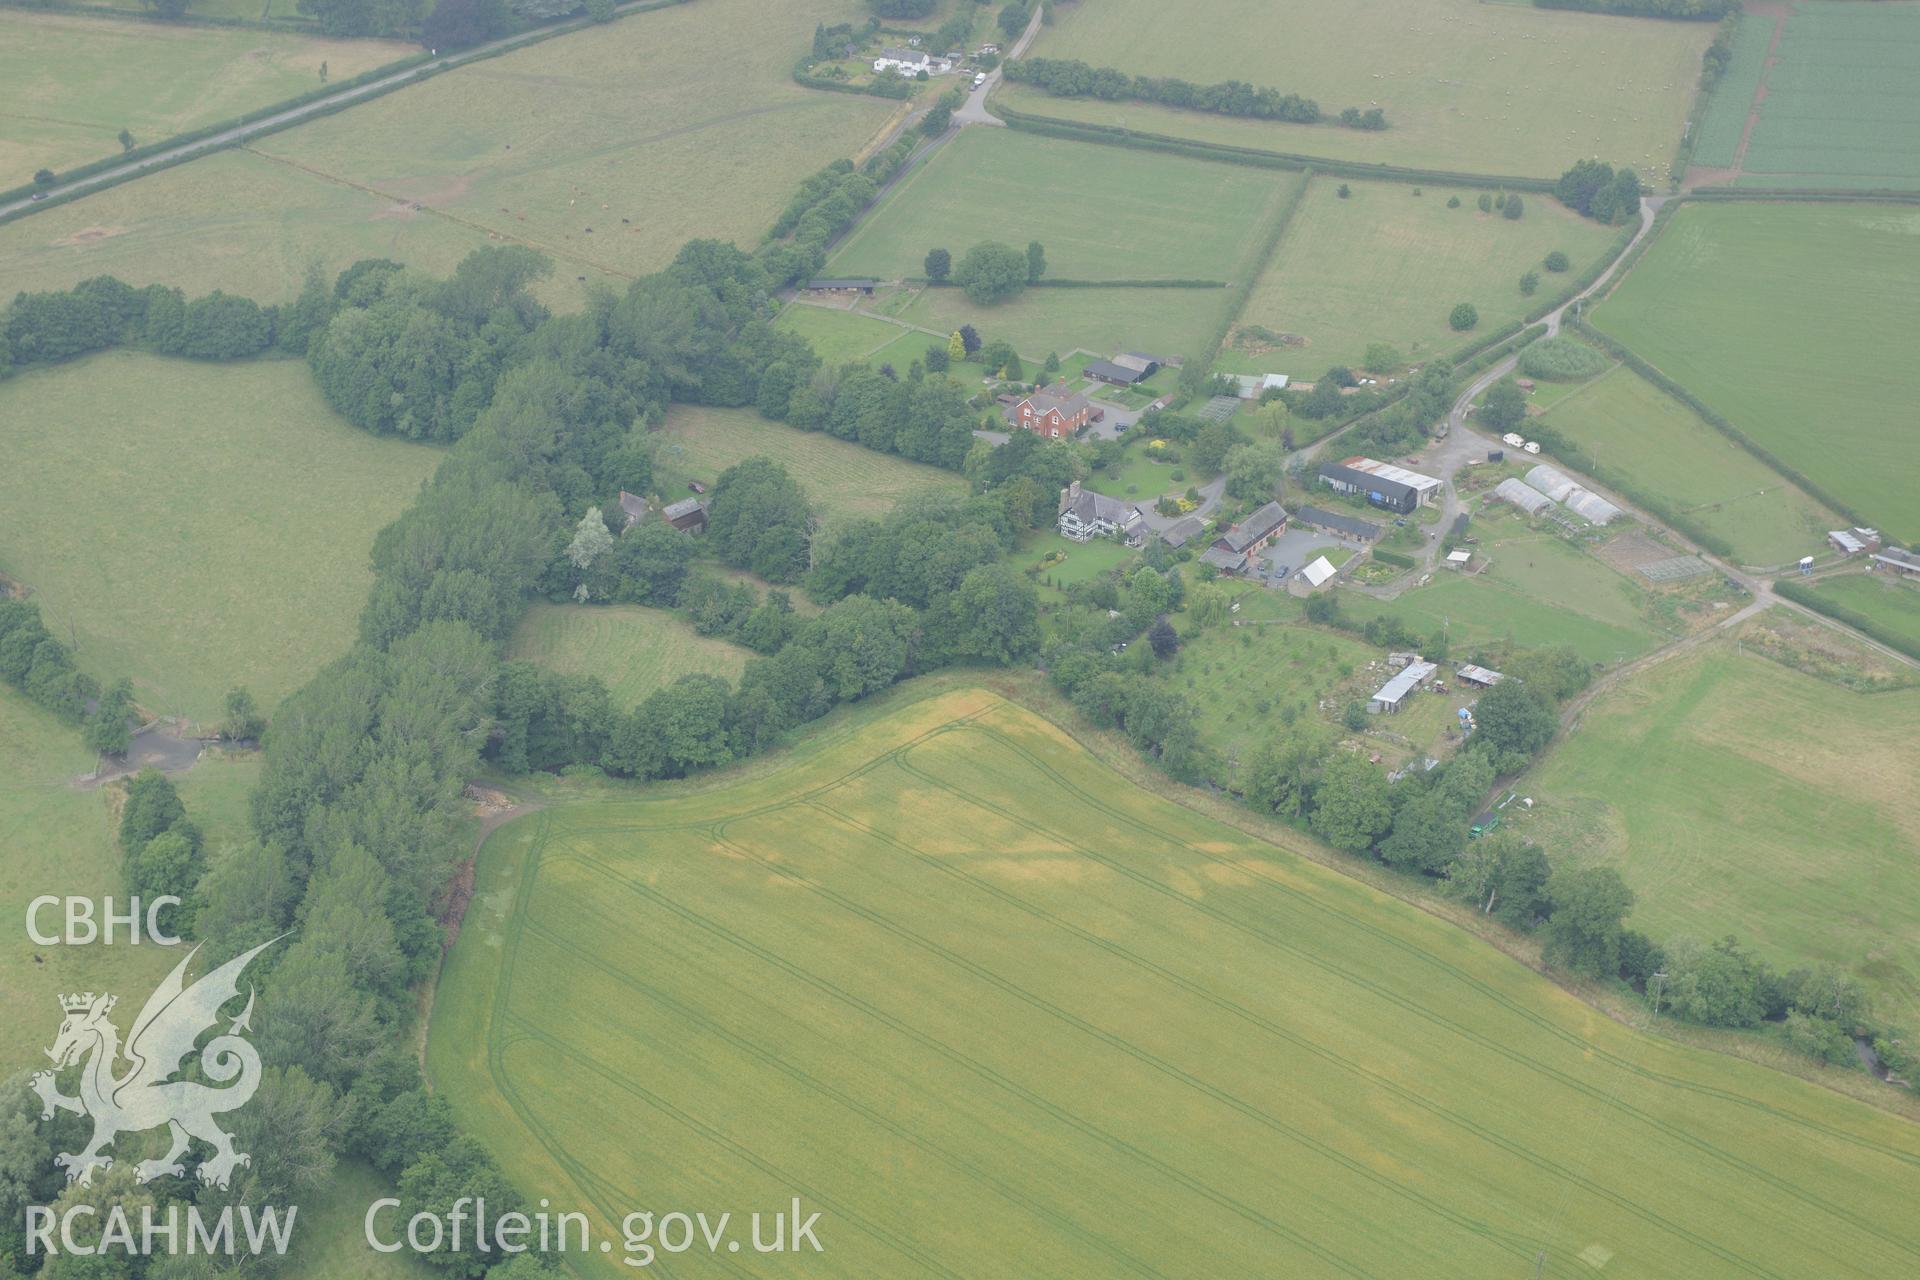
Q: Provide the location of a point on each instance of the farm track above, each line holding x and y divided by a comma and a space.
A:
508, 1028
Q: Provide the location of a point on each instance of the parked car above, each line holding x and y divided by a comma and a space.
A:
696, 486
38, 195
1281, 570
1399, 524
979, 79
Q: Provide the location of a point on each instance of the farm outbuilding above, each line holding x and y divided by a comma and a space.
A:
843, 284
1425, 488
1378, 490
1479, 677
1394, 693
1905, 563
1334, 522
689, 515
1182, 531
1522, 495
1116, 374
1319, 571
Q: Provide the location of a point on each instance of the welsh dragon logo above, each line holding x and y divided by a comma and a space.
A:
145, 1096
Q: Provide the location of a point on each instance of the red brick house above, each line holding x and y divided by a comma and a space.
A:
1054, 412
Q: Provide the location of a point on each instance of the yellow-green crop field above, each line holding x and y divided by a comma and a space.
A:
993, 1010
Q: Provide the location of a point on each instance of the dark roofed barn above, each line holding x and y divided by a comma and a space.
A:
1334, 522
1378, 490
1118, 375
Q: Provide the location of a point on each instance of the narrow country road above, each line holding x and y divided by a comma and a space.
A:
974, 109
280, 119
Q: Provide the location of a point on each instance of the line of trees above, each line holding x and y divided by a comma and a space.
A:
42, 668
1688, 10
105, 312
1071, 78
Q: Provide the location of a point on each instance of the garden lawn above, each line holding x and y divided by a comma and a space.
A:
1793, 321
1084, 562
69, 84
195, 526
939, 967
1140, 478
1385, 265
1739, 796
1628, 423
843, 480
1891, 602
1102, 213
1470, 87
634, 650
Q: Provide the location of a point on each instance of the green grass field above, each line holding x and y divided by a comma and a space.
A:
883, 977
1385, 265
1629, 423
843, 480
70, 84
1103, 213
59, 839
636, 116
634, 650
1160, 321
1739, 796
1476, 88
1792, 321
332, 1243
637, 130
1538, 591
194, 526
1891, 602
237, 221
1842, 103
838, 336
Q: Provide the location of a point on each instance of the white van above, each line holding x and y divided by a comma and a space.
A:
979, 79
